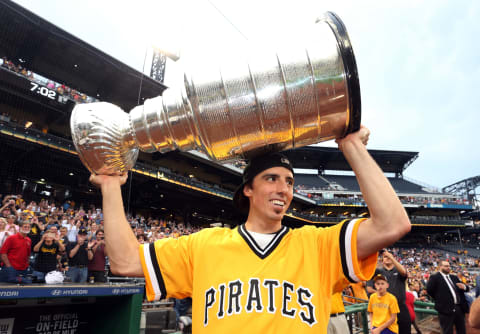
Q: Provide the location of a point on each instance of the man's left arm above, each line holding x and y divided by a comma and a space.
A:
400, 268
388, 220
462, 286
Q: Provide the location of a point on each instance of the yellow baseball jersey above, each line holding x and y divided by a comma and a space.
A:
382, 309
337, 303
238, 286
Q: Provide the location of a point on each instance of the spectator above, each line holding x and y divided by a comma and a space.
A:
36, 231
11, 220
9, 204
54, 229
15, 255
96, 266
396, 275
448, 294
73, 226
409, 301
181, 307
3, 231
53, 225
47, 250
338, 322
383, 308
63, 235
79, 253
92, 234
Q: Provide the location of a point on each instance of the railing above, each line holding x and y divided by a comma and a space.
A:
357, 318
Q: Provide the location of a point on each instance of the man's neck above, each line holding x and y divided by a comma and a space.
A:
260, 226
388, 266
381, 294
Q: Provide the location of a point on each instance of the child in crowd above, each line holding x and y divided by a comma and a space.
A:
383, 308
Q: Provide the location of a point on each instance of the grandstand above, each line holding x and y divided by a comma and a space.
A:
45, 70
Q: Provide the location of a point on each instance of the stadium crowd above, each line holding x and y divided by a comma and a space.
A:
37, 238
422, 199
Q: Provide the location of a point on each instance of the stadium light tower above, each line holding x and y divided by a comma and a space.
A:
159, 61
466, 188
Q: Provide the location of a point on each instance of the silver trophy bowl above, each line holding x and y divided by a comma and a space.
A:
272, 102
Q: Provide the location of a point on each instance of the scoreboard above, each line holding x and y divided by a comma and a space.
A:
25, 88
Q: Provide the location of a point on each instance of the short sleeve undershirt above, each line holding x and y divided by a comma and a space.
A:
262, 239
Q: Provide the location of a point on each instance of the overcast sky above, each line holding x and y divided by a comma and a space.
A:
418, 61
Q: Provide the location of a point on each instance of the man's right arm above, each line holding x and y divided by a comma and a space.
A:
120, 242
36, 248
5, 260
431, 285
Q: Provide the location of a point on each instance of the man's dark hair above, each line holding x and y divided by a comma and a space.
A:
255, 167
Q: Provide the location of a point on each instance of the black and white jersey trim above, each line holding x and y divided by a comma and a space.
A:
153, 269
346, 250
262, 253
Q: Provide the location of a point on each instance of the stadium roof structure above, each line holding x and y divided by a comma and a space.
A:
329, 158
54, 53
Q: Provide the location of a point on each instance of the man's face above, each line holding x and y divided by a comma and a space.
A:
53, 230
386, 261
381, 286
49, 238
270, 193
63, 232
445, 267
100, 236
25, 228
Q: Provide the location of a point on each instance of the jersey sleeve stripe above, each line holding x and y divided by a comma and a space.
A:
349, 251
156, 268
152, 281
346, 250
150, 291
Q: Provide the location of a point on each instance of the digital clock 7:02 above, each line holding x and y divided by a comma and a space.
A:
44, 91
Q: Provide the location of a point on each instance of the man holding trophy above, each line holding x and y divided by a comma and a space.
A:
260, 276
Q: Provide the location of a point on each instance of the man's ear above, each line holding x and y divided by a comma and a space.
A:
247, 190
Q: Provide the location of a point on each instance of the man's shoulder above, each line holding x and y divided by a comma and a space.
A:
215, 232
207, 234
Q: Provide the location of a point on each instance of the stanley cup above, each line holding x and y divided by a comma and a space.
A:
293, 98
